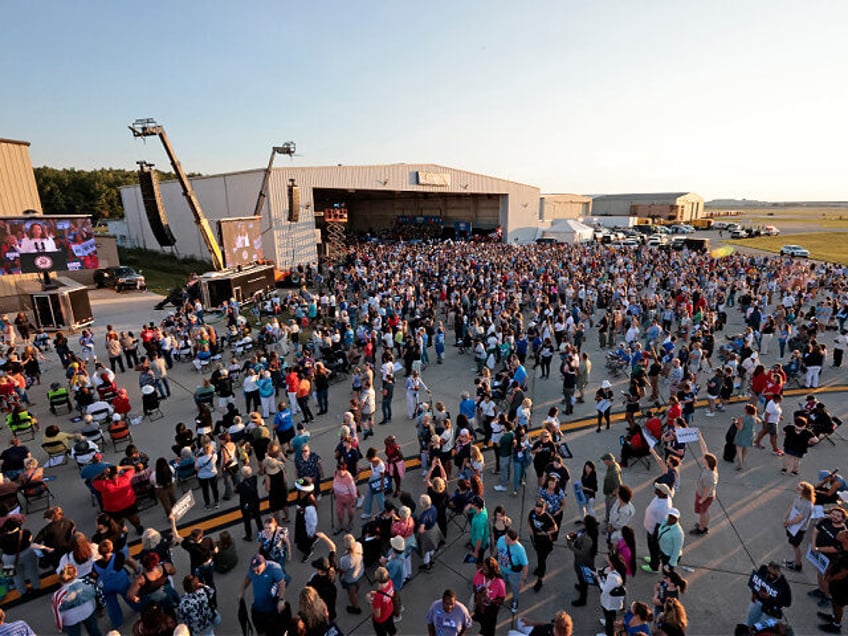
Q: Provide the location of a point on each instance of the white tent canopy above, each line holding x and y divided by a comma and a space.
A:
568, 231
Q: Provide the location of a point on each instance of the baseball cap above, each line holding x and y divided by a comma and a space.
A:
663, 488
608, 456
256, 561
673, 512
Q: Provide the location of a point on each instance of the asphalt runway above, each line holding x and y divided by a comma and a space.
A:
745, 530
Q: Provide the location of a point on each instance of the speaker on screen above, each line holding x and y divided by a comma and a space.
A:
294, 202
152, 199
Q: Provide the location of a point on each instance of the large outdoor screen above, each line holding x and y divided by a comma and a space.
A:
241, 239
46, 243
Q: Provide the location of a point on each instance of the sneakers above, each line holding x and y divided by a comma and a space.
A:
831, 628
816, 593
825, 602
647, 568
777, 452
791, 565
514, 607
537, 585
710, 413
360, 501
500, 488
699, 531
364, 516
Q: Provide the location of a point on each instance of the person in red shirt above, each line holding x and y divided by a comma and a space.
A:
292, 382
304, 388
115, 486
674, 411
382, 601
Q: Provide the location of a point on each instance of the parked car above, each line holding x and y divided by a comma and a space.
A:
770, 230
739, 234
681, 228
121, 277
655, 240
794, 250
720, 225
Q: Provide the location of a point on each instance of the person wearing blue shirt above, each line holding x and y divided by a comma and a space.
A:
439, 342
394, 562
521, 348
266, 393
269, 607
520, 375
512, 558
467, 406
284, 424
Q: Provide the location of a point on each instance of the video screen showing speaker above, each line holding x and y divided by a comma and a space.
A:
35, 244
241, 239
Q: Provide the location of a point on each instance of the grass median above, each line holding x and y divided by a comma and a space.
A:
823, 246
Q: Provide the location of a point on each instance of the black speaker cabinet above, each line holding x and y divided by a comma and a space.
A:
152, 198
294, 203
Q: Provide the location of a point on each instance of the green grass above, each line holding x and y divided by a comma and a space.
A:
822, 245
162, 272
814, 217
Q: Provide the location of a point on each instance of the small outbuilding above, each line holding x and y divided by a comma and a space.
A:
661, 206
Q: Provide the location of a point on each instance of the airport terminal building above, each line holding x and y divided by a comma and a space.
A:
376, 198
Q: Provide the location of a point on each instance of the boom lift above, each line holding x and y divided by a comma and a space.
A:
288, 148
149, 128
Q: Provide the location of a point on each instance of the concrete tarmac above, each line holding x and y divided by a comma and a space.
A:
745, 530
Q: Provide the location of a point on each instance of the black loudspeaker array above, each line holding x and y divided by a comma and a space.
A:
293, 192
152, 198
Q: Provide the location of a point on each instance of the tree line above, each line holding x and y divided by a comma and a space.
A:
92, 192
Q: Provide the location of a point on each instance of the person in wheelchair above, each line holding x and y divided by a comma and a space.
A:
634, 445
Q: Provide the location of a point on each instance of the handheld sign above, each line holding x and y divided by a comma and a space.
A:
819, 560
687, 435
183, 505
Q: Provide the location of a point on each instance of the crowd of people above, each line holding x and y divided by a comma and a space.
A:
383, 310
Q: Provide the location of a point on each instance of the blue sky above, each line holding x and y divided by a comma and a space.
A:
727, 99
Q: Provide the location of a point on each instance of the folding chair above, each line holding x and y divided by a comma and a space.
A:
33, 492
119, 433
101, 416
836, 424
55, 451
633, 460
58, 399
185, 475
107, 393
145, 495
21, 427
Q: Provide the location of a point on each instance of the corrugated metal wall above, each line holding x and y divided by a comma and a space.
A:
18, 191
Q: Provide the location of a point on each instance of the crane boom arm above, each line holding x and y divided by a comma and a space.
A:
151, 129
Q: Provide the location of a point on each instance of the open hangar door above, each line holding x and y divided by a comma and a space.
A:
376, 211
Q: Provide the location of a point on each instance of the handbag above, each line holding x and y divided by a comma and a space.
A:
512, 566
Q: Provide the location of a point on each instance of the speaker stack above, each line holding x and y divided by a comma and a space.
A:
152, 199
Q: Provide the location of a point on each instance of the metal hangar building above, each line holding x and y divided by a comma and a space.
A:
377, 198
